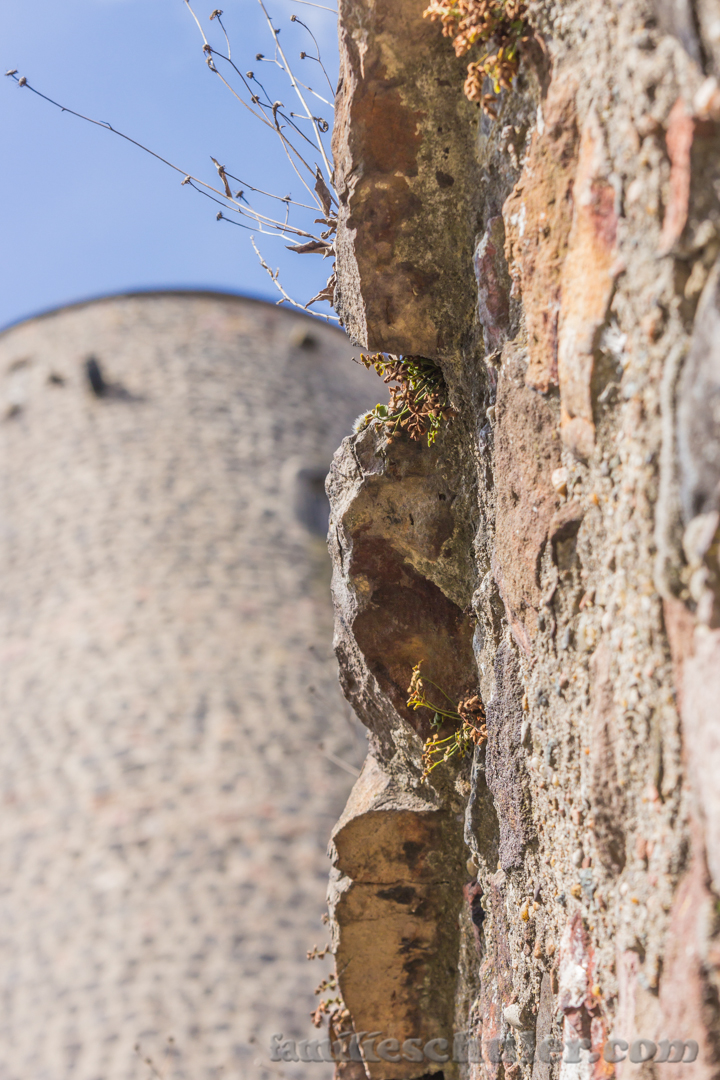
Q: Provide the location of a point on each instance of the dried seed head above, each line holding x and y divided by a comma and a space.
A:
216, 14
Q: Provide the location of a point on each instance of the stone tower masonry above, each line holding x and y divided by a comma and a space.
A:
170, 722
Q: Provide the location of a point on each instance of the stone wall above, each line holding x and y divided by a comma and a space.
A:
555, 551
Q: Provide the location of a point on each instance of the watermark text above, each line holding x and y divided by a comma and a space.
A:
373, 1046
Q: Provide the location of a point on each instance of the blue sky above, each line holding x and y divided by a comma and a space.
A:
84, 213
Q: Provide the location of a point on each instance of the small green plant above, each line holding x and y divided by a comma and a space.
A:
469, 714
502, 23
418, 396
332, 1009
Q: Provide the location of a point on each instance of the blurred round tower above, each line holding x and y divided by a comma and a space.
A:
174, 748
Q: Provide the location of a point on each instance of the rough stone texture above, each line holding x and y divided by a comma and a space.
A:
586, 401
538, 217
406, 181
606, 794
698, 409
678, 18
493, 284
527, 452
505, 760
586, 286
690, 220
400, 533
165, 629
688, 995
542, 1069
701, 680
495, 977
394, 899
402, 580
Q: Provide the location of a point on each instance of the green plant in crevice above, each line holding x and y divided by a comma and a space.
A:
498, 25
333, 1008
469, 714
418, 396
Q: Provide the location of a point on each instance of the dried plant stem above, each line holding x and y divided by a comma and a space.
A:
296, 88
197, 21
222, 27
322, 7
272, 115
317, 59
274, 276
267, 60
287, 145
269, 194
262, 221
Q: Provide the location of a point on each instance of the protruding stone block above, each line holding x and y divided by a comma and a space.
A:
395, 896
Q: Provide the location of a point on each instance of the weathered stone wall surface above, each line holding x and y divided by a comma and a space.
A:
404, 174
585, 460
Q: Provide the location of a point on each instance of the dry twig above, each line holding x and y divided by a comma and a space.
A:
285, 298
252, 95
